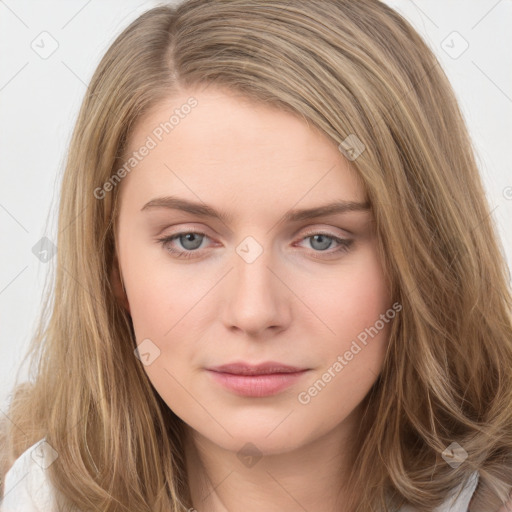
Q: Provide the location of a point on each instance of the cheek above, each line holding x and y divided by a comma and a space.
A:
355, 298
164, 297
358, 312
163, 305
159, 291
150, 306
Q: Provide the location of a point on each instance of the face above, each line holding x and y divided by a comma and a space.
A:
265, 280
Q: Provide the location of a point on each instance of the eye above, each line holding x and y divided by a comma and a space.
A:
320, 242
191, 242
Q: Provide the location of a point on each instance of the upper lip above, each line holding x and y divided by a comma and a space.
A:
256, 369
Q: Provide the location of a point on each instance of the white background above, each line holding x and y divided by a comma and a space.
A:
40, 98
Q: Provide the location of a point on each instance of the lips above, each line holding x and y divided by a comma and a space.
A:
256, 381
266, 368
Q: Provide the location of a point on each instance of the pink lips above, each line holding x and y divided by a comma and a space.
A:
256, 380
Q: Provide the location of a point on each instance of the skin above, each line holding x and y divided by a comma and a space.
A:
299, 303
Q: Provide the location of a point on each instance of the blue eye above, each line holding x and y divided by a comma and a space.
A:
324, 241
188, 239
191, 242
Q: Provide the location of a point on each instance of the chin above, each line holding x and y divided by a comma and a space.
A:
251, 436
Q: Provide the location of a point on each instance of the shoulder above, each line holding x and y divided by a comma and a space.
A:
462, 496
458, 500
26, 485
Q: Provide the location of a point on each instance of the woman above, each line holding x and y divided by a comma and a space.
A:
278, 284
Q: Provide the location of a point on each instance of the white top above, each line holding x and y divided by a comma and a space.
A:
26, 488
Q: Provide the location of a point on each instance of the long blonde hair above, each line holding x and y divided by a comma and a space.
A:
349, 68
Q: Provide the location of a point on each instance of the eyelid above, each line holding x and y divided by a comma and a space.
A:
310, 230
181, 227
320, 228
344, 244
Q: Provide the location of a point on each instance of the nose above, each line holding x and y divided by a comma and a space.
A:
258, 300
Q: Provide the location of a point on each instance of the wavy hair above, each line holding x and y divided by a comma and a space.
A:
349, 68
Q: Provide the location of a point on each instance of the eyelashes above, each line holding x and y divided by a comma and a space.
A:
167, 243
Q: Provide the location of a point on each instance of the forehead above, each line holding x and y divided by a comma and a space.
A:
217, 143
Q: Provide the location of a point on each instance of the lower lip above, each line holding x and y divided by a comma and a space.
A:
257, 385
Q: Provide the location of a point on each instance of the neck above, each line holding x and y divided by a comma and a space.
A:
309, 477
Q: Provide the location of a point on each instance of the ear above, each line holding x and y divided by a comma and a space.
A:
118, 284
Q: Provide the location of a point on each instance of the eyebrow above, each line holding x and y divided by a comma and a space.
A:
204, 210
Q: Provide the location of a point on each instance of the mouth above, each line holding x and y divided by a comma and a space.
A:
267, 368
256, 381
